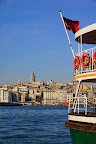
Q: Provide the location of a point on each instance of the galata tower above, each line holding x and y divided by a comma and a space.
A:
32, 77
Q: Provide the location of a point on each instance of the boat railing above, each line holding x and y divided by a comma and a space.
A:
91, 67
79, 104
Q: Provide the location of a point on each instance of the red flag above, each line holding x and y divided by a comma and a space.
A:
71, 25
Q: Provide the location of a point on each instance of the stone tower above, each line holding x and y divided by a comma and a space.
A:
32, 77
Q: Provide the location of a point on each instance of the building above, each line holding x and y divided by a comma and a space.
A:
5, 96
94, 98
23, 89
18, 83
70, 96
50, 82
56, 97
23, 96
32, 77
32, 97
49, 97
61, 96
90, 96
33, 90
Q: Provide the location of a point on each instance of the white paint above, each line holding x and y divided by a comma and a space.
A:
82, 119
86, 30
86, 78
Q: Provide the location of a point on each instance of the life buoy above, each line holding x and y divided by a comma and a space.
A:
85, 57
94, 58
76, 62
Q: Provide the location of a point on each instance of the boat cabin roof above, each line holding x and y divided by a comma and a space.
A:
88, 34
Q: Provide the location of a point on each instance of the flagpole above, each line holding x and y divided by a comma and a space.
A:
67, 33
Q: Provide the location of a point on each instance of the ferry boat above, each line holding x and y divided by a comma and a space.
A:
81, 121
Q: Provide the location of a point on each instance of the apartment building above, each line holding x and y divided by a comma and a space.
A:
5, 96
49, 97
61, 96
69, 97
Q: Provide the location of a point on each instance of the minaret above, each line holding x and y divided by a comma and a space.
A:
18, 83
32, 77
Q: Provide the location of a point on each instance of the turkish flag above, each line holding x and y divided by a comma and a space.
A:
71, 25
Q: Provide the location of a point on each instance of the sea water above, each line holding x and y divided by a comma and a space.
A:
34, 125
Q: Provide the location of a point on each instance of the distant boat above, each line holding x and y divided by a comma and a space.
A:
67, 104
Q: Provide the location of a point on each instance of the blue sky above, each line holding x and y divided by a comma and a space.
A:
32, 36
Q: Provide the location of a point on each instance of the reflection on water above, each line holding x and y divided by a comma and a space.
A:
34, 125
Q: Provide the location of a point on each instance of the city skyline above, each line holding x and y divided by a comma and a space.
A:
32, 36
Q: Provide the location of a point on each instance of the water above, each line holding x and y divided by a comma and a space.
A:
34, 125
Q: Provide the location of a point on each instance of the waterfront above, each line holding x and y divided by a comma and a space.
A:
34, 125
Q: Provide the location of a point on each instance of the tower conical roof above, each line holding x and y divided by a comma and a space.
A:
32, 77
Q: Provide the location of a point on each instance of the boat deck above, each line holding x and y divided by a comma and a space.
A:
89, 114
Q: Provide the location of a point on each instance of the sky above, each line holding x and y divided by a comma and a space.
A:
32, 37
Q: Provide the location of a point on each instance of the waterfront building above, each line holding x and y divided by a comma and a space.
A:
39, 97
23, 96
15, 96
56, 97
24, 93
5, 96
32, 77
49, 97
69, 96
61, 96
32, 97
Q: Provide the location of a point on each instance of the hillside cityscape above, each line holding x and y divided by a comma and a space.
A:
41, 93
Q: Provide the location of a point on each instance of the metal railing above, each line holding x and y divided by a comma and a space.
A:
89, 68
78, 104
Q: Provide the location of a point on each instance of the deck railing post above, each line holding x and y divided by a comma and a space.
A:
86, 107
78, 105
69, 106
81, 51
